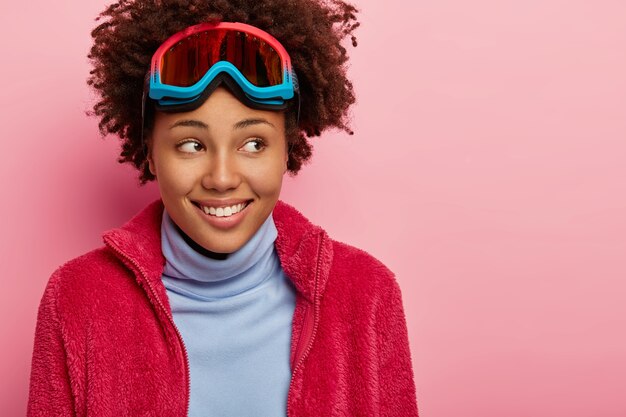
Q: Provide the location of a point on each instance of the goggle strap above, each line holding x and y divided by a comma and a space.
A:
296, 90
146, 88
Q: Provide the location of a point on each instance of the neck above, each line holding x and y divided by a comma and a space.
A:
186, 259
200, 249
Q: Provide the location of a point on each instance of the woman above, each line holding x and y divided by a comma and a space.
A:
218, 299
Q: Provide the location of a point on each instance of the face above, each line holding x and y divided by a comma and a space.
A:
219, 169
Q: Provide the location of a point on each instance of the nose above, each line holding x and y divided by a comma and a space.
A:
222, 173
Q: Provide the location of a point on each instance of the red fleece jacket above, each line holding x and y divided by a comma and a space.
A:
106, 343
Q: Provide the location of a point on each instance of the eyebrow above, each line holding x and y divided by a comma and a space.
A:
190, 123
242, 124
250, 122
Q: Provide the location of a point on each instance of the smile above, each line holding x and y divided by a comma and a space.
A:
213, 211
223, 211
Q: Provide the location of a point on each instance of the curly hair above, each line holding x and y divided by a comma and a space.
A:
311, 31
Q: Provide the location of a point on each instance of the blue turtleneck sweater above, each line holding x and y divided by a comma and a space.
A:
235, 317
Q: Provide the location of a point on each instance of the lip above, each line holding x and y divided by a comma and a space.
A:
223, 223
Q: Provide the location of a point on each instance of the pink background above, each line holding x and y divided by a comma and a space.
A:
487, 170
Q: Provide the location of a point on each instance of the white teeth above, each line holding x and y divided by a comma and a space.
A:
223, 211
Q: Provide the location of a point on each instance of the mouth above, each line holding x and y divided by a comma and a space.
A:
222, 210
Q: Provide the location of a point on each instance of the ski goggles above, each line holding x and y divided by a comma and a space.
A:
190, 64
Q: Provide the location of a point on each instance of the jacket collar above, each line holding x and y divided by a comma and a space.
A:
304, 249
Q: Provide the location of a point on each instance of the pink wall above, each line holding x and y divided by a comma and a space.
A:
487, 171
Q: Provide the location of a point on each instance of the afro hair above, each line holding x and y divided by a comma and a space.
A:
311, 31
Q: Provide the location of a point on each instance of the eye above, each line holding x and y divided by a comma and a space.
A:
254, 145
189, 146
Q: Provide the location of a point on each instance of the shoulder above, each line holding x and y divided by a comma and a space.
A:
361, 291
90, 264
82, 281
350, 271
359, 267
293, 226
358, 260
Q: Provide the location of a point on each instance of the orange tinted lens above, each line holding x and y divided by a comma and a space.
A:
185, 63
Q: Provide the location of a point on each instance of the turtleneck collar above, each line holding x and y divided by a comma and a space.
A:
196, 274
304, 249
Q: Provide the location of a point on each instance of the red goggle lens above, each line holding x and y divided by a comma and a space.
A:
185, 63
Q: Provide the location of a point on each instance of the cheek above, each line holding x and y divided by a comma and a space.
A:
174, 177
266, 179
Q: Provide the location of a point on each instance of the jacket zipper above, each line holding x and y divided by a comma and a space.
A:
307, 334
171, 319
